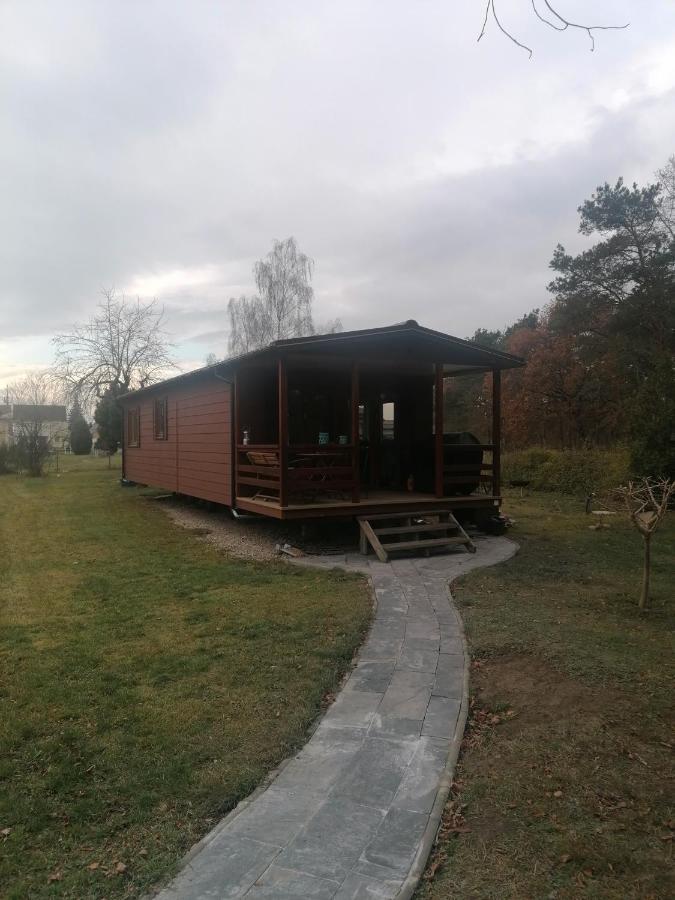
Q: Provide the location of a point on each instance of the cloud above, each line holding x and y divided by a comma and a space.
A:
160, 147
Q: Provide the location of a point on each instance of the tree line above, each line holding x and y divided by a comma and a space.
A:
124, 345
600, 355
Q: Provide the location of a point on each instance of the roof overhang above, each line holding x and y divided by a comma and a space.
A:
404, 344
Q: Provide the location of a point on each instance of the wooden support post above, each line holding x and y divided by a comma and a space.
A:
176, 437
373, 540
496, 431
438, 437
283, 432
237, 438
363, 542
356, 449
124, 443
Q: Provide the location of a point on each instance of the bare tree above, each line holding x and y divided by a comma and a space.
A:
283, 306
32, 398
549, 16
31, 446
123, 346
42, 388
646, 503
666, 201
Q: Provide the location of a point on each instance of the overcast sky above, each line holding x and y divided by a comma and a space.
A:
160, 147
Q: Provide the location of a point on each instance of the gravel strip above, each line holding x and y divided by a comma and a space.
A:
257, 538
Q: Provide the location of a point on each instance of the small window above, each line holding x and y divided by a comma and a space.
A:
134, 427
160, 408
160, 417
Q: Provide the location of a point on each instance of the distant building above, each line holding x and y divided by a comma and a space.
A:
4, 422
52, 419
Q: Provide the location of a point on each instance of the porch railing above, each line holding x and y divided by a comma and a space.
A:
258, 471
465, 474
312, 471
321, 469
331, 471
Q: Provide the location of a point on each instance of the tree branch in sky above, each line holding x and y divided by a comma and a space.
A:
558, 23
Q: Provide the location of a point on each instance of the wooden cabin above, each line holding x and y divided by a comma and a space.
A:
346, 424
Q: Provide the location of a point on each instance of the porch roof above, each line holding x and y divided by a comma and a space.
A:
404, 342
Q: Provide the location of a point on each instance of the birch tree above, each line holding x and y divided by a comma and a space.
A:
282, 307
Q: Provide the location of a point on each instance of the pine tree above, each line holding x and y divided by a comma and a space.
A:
80, 433
108, 417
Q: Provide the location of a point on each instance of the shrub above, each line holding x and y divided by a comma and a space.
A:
653, 437
31, 448
7, 460
567, 471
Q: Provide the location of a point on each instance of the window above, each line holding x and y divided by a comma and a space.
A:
134, 427
363, 422
388, 421
160, 417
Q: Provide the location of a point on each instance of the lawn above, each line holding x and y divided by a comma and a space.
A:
564, 787
148, 681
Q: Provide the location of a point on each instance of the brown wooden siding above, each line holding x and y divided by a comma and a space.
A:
195, 458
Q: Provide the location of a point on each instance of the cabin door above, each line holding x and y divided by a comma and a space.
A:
389, 439
390, 415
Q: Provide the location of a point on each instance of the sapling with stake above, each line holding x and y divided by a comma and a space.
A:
646, 503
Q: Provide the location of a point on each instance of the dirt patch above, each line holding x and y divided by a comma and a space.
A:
539, 692
257, 538
559, 792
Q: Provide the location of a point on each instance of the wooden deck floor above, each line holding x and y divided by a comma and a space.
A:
376, 501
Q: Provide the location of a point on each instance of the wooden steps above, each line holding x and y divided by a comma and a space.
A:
418, 531
414, 545
405, 529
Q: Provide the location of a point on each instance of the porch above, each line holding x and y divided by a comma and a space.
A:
377, 502
325, 436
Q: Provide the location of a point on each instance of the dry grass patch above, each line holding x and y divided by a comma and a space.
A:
149, 681
564, 788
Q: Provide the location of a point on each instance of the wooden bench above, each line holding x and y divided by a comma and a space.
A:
259, 462
263, 457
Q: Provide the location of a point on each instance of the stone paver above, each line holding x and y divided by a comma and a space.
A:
353, 815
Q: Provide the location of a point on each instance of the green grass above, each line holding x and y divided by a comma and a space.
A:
148, 681
564, 787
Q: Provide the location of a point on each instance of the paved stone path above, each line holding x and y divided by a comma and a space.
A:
355, 813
